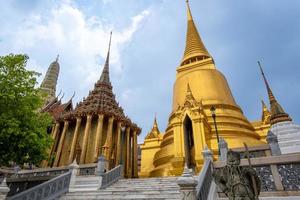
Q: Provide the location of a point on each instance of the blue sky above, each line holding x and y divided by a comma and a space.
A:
148, 44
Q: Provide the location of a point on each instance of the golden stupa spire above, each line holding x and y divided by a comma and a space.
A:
277, 112
265, 118
194, 49
105, 73
155, 126
154, 133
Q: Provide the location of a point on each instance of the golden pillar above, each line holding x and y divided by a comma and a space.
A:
119, 145
108, 142
198, 139
97, 148
45, 162
56, 129
128, 163
135, 155
85, 138
75, 136
61, 141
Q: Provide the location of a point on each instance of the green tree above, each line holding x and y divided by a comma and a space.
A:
23, 135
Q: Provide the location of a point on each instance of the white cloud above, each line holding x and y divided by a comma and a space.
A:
79, 39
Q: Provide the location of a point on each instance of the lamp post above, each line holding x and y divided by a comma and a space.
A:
213, 114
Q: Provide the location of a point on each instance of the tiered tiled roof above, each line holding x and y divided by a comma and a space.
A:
57, 109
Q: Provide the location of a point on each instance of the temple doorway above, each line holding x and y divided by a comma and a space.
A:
189, 143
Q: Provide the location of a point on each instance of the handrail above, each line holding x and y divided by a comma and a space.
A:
204, 181
46, 191
87, 170
112, 176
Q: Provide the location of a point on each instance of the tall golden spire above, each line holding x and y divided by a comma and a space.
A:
194, 49
105, 73
277, 112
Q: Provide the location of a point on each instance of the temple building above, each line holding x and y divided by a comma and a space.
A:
288, 133
96, 126
198, 87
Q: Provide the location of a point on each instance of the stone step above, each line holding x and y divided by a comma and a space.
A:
146, 188
122, 196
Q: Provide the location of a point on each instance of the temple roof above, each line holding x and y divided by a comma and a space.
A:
277, 112
57, 109
102, 100
194, 48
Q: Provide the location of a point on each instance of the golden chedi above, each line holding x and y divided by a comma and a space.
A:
198, 87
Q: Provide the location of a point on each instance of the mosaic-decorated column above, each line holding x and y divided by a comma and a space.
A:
74, 140
128, 163
135, 155
108, 143
97, 147
61, 141
118, 145
85, 138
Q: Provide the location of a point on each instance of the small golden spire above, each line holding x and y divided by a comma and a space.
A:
154, 133
265, 118
194, 49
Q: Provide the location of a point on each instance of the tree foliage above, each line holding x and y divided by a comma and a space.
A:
23, 135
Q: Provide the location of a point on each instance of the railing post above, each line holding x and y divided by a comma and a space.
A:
223, 149
74, 170
101, 165
273, 143
187, 185
4, 189
207, 154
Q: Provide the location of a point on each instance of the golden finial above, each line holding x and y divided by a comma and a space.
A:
57, 57
194, 45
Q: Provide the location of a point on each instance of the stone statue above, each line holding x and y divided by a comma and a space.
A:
237, 182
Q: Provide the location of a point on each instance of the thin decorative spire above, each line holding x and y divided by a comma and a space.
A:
105, 73
57, 57
270, 93
277, 112
194, 49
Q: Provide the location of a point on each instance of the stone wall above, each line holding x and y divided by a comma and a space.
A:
279, 173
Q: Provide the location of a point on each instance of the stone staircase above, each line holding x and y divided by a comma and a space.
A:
86, 183
142, 188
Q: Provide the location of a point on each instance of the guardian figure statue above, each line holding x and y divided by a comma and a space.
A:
237, 182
